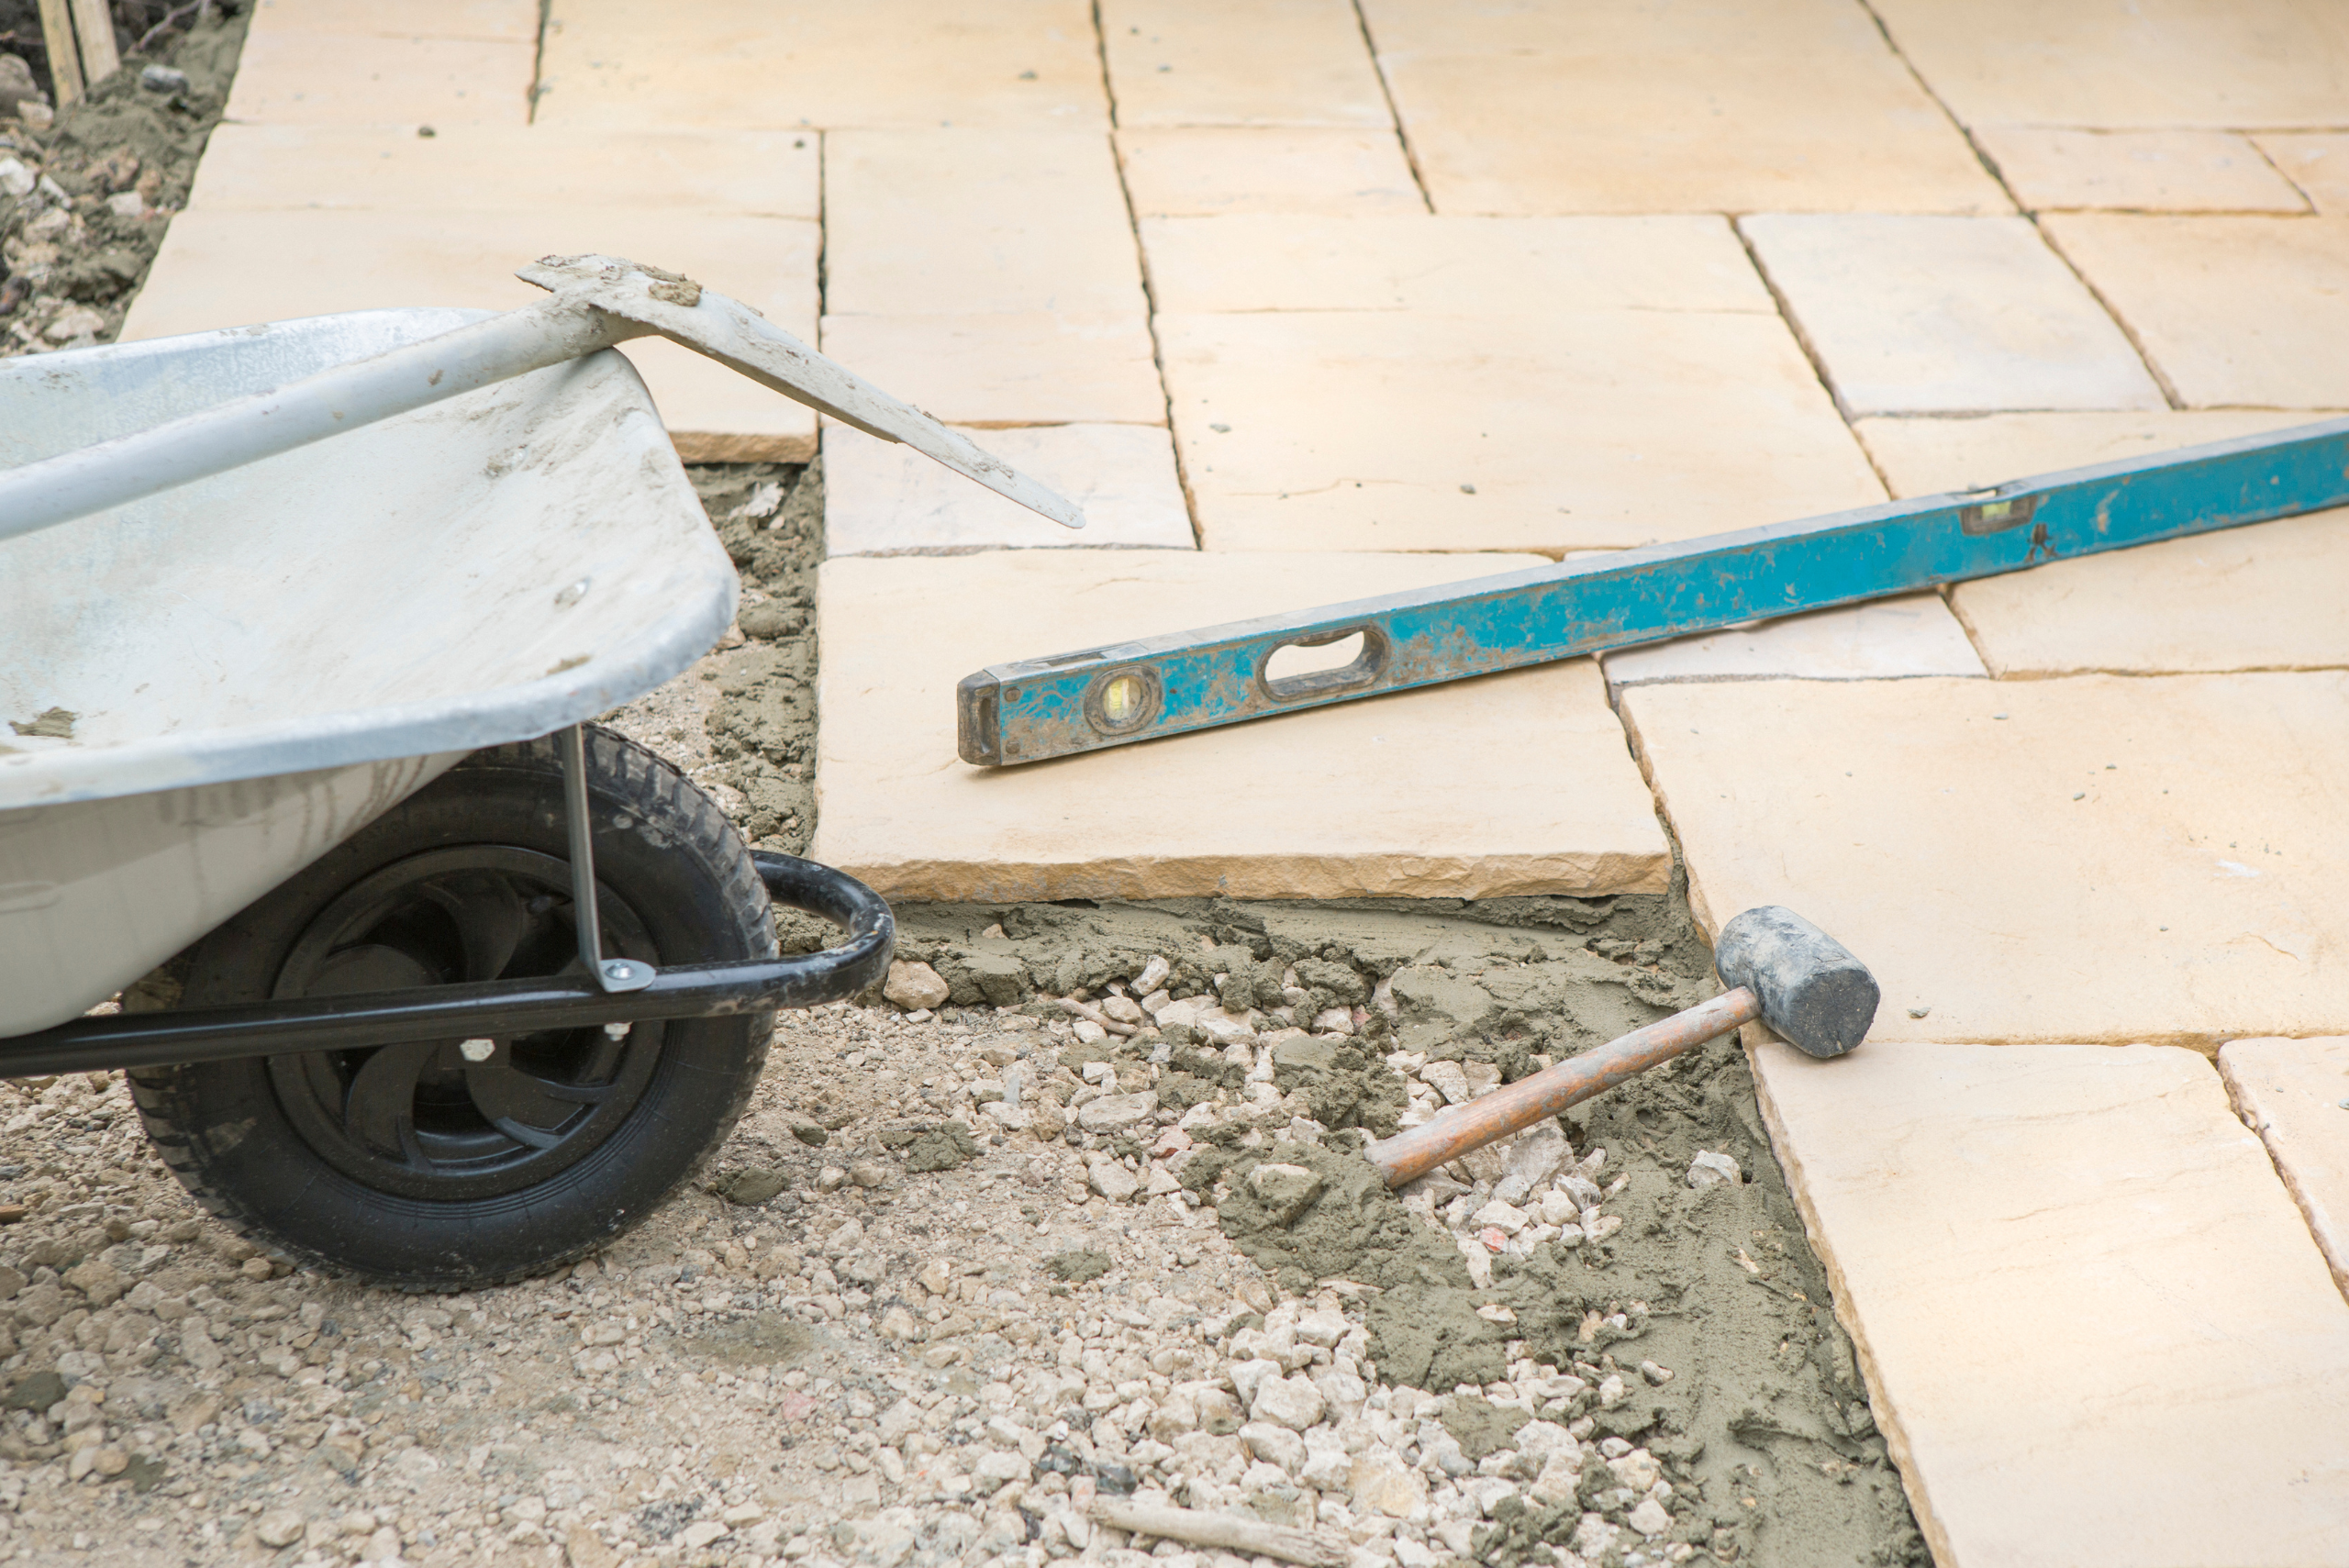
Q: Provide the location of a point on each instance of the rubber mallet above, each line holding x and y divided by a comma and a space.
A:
1778, 967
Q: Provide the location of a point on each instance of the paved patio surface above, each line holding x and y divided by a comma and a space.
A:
1282, 287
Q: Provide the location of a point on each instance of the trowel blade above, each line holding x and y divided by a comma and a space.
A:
738, 336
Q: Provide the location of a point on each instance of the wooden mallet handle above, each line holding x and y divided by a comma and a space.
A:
1513, 1107
1780, 969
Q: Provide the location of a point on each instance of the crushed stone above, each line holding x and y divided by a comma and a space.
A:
104, 181
882, 1363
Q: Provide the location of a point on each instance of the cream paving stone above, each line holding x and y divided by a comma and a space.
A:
1202, 170
781, 64
230, 268
2131, 64
1715, 106
511, 21
476, 168
1240, 62
353, 79
2232, 310
2095, 1331
969, 222
1890, 639
1571, 431
2318, 163
2263, 597
1928, 456
2295, 1094
1511, 783
2114, 859
1517, 266
2146, 170
1923, 315
1033, 367
882, 498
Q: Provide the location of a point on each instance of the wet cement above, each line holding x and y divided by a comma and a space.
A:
1764, 1420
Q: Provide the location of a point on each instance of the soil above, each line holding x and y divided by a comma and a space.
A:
110, 174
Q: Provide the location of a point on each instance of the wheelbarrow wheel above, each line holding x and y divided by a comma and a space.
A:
452, 1163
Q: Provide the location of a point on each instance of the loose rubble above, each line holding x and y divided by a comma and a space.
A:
1089, 1225
904, 1367
87, 193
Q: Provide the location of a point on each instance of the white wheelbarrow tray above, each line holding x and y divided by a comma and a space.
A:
259, 662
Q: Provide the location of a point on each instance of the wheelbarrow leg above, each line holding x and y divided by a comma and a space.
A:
611, 973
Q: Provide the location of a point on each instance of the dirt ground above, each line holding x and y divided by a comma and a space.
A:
969, 1265
85, 202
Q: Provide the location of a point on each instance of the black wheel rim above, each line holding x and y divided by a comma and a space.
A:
450, 1119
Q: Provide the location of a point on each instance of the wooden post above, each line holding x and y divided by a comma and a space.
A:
94, 25
65, 60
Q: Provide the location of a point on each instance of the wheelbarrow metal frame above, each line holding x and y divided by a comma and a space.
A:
496, 1007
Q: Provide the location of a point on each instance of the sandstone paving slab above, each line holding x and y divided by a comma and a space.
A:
2232, 310
965, 222
1913, 315
2295, 1094
2147, 64
512, 21
881, 499
475, 168
1513, 266
2095, 1329
1928, 456
1200, 170
1893, 638
230, 267
1511, 784
287, 77
1789, 105
2147, 171
1576, 430
1245, 62
2263, 597
2316, 161
783, 65
2098, 859
1032, 367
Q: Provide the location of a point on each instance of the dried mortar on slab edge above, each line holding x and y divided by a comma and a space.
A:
1763, 1424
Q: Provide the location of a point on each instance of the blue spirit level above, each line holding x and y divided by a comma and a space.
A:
1035, 708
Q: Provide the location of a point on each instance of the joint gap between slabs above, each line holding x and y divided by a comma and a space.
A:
1394, 113
2307, 202
2030, 215
1149, 289
1809, 351
2128, 332
539, 63
1989, 165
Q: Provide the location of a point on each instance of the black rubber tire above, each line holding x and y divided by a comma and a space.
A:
677, 886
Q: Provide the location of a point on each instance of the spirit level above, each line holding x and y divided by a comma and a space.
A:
1036, 709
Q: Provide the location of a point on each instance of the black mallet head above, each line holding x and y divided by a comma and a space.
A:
1815, 995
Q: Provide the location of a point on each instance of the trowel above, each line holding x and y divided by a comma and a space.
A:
598, 302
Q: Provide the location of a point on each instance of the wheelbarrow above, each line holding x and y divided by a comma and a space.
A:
422, 975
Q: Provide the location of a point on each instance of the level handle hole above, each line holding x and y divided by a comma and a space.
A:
1323, 663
